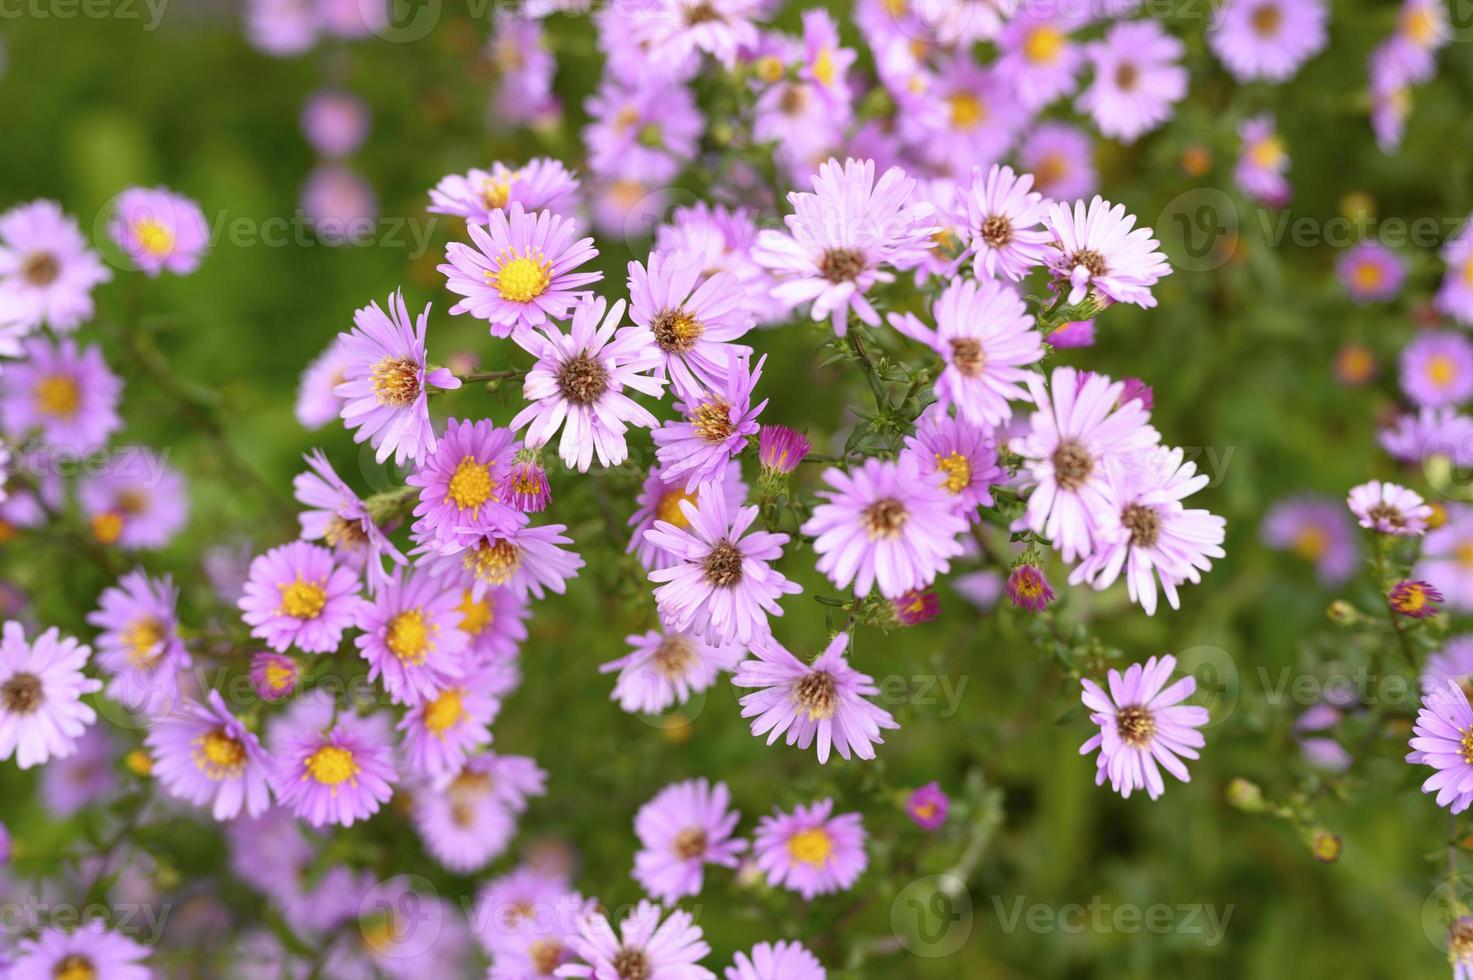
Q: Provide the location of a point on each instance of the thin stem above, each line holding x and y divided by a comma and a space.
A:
475, 377
882, 400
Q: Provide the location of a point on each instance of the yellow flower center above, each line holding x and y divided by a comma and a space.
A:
470, 485
58, 396
1410, 600
521, 278
1043, 45
107, 527
1442, 370
74, 967
770, 68
967, 111
494, 563
669, 507
142, 640
303, 600
331, 765
1267, 153
139, 763
1464, 553
823, 67
218, 755
1420, 26
1367, 275
956, 472
1311, 543
395, 382
712, 420
153, 237
1468, 272
444, 712
496, 191
475, 616
812, 846
280, 675
408, 636
925, 810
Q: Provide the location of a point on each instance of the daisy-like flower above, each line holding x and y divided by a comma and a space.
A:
274, 676
88, 775
1138, 78
784, 960
542, 183
716, 425
644, 947
665, 668
1389, 508
1148, 535
160, 231
956, 456
841, 239
1447, 558
1098, 252
1318, 530
524, 919
461, 823
693, 316
335, 122
1038, 56
1061, 159
41, 688
825, 701
578, 383
518, 271
331, 771
138, 501
811, 851
722, 585
1267, 39
644, 130
386, 384
1077, 437
339, 204
1437, 369
1143, 725
1028, 589
884, 523
1371, 272
411, 637
139, 644
1263, 162
1455, 295
204, 755
962, 116
494, 623
1005, 221
446, 727
1443, 739
528, 560
317, 400
928, 806
90, 951
337, 516
68, 395
460, 493
1415, 599
297, 595
985, 338
685, 827
672, 32
47, 272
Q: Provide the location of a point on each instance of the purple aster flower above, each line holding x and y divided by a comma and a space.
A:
203, 754
958, 457
1138, 78
643, 130
644, 946
335, 122
386, 384
1455, 295
459, 481
462, 824
915, 607
1441, 737
722, 238
1453, 663
1263, 162
1147, 534
578, 382
68, 395
328, 769
780, 449
337, 517
1028, 589
89, 951
47, 272
1037, 55
1005, 223
1319, 531
317, 400
339, 204
411, 637
1078, 436
41, 688
783, 960
1371, 272
825, 700
928, 806
519, 269
274, 676
884, 523
1414, 599
1437, 369
138, 501
139, 643
1061, 159
494, 623
297, 595
716, 425
160, 231
963, 116
1389, 508
985, 338
841, 237
811, 851
1431, 432
526, 919
87, 776
723, 585
1267, 39
686, 826
446, 727
520, 51
1099, 253
524, 485
824, 62
1391, 96
541, 184
1143, 725
1447, 558
528, 560
693, 317
674, 32
665, 668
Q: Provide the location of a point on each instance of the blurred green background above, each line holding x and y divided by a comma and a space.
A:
1240, 355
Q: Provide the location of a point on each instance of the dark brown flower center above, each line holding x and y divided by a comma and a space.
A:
690, 843
676, 331
841, 264
673, 656
884, 518
701, 13
546, 955
40, 268
21, 693
997, 231
1126, 76
1072, 465
1143, 523
723, 565
1266, 20
632, 964
1091, 260
1385, 513
1135, 726
817, 694
582, 379
967, 355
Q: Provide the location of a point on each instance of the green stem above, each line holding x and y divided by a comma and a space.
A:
882, 400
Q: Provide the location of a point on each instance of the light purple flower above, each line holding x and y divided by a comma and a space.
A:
1437, 369
644, 946
826, 700
528, 560
459, 496
1263, 162
1061, 159
138, 501
643, 130
160, 231
961, 116
1371, 272
339, 204
1138, 79
1440, 739
331, 771
716, 425
928, 806
1037, 54
1098, 252
412, 638
665, 668
494, 622
1144, 727
686, 826
461, 823
47, 272
317, 400
41, 688
674, 32
783, 960
274, 676
1389, 508
542, 183
91, 947
811, 851
139, 643
297, 595
1455, 295
1267, 39
87, 776
956, 456
335, 122
68, 395
1453, 663
693, 316
337, 516
1005, 222
203, 754
1447, 558
1318, 530
443, 729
